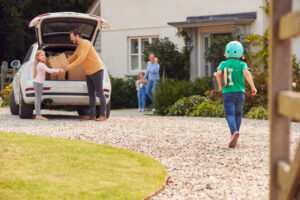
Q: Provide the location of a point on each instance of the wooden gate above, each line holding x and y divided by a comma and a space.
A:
284, 104
7, 74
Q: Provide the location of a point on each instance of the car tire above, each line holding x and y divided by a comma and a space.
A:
14, 108
82, 111
25, 110
108, 105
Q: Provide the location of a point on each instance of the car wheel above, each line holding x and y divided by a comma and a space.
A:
25, 110
82, 111
108, 105
14, 108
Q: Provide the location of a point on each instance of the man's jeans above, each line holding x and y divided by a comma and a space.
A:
151, 85
95, 86
233, 105
141, 94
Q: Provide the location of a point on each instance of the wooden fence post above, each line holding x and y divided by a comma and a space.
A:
279, 80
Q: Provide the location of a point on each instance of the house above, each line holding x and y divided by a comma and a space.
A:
136, 23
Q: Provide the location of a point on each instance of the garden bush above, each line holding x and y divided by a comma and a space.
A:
169, 92
186, 105
257, 113
124, 93
201, 85
209, 109
5, 93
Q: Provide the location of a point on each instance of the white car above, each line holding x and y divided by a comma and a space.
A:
53, 36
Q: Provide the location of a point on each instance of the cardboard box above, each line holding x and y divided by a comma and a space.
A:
77, 74
58, 61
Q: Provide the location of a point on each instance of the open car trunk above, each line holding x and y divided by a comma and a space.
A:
75, 74
54, 28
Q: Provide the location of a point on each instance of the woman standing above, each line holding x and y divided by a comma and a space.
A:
152, 74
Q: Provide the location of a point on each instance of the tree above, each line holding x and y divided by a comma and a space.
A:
173, 63
215, 52
15, 15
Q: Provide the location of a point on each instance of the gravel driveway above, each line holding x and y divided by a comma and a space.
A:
193, 150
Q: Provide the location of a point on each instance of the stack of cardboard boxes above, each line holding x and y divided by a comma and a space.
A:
60, 61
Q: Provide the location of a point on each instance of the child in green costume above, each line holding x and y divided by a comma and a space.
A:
233, 91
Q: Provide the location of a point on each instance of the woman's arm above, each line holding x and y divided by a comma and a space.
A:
156, 69
219, 79
249, 79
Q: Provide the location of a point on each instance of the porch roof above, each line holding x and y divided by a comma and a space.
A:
209, 20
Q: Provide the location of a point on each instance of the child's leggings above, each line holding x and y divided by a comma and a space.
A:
38, 88
233, 106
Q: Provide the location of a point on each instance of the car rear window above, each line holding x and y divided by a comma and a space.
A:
57, 31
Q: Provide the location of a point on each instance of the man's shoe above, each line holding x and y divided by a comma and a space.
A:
234, 139
101, 118
86, 118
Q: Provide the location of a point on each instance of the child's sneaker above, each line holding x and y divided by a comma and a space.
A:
139, 110
234, 139
143, 110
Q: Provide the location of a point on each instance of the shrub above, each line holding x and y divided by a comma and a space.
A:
214, 95
5, 93
209, 109
201, 85
257, 113
186, 105
169, 92
172, 90
123, 94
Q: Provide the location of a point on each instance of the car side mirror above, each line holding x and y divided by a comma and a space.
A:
15, 64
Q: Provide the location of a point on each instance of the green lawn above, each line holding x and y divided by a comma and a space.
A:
44, 168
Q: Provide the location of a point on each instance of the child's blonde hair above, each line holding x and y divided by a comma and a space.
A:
36, 61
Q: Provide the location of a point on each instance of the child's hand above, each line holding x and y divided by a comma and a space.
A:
253, 91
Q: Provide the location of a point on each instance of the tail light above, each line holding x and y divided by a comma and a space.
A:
105, 90
29, 89
32, 89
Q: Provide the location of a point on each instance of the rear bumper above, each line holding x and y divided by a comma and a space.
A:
63, 99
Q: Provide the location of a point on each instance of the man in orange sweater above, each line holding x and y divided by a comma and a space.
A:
86, 55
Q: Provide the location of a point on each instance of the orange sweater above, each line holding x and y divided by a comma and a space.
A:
86, 55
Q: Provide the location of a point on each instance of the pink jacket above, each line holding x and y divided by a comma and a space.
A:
41, 70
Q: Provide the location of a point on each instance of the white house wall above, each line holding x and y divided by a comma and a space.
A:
149, 18
296, 41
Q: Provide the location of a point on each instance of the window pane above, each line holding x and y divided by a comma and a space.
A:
154, 39
206, 43
145, 42
134, 46
134, 63
144, 64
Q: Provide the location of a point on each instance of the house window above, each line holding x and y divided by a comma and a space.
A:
136, 55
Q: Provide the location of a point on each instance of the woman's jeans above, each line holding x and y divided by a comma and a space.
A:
141, 94
233, 106
38, 89
151, 85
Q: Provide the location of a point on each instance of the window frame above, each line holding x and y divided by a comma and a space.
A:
139, 54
